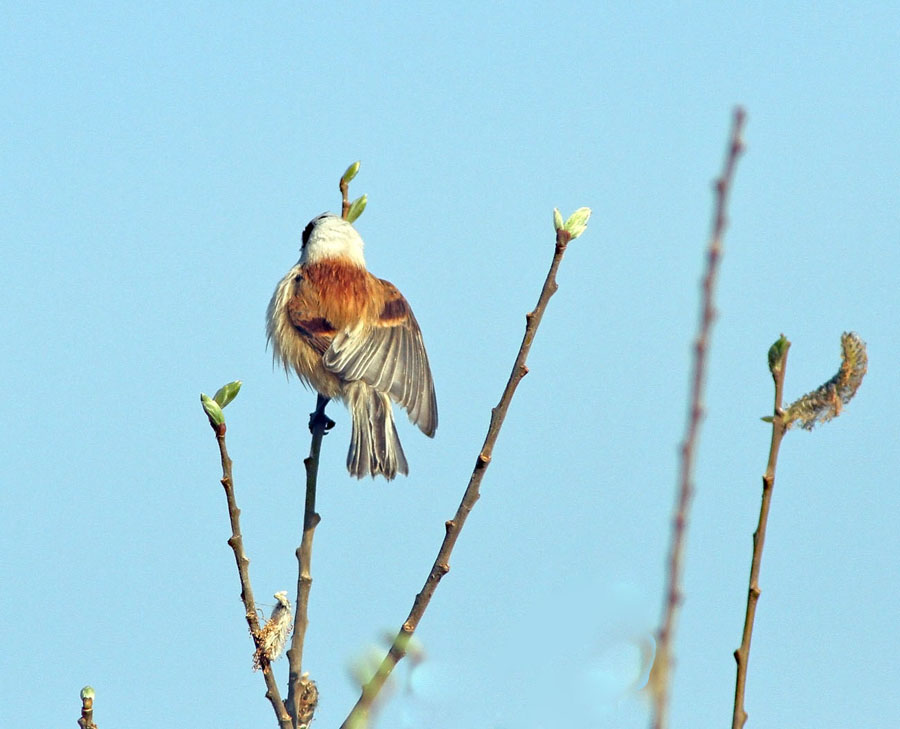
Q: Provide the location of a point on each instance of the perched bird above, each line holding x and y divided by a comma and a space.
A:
352, 337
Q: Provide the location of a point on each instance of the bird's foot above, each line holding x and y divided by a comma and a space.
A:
319, 418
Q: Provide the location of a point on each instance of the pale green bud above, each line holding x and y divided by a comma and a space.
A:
577, 222
351, 172
227, 393
87, 693
212, 410
557, 219
356, 208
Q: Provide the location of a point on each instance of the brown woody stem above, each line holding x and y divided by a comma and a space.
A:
742, 654
441, 566
302, 695
236, 542
661, 673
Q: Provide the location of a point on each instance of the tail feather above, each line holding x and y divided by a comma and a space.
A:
374, 446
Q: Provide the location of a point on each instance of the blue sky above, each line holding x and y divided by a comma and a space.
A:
160, 162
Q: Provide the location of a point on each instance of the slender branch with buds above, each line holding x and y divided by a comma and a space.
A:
778, 364
818, 406
660, 675
359, 715
236, 542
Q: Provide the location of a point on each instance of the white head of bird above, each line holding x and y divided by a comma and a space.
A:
329, 237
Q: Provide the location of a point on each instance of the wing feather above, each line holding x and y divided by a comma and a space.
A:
390, 356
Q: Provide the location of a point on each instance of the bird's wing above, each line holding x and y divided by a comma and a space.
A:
390, 356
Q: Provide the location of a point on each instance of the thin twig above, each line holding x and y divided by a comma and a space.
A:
673, 597
302, 692
236, 542
360, 712
742, 654
344, 186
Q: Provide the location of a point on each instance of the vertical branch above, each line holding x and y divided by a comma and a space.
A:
358, 716
303, 695
236, 542
345, 202
673, 597
302, 692
742, 654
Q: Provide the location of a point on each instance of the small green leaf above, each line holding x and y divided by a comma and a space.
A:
356, 208
351, 172
577, 222
767, 419
227, 393
557, 219
212, 410
777, 352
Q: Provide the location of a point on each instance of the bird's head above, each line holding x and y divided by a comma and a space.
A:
328, 237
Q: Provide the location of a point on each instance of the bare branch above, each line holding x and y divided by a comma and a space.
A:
236, 542
660, 675
302, 692
360, 713
778, 364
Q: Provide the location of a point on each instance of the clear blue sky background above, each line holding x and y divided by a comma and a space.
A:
159, 162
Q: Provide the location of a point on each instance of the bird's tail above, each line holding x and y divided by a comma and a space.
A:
374, 447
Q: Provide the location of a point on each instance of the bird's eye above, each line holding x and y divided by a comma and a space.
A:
298, 278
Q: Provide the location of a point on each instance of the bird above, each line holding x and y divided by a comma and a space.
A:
352, 337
